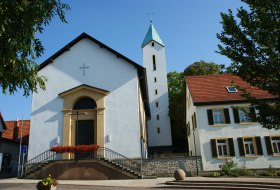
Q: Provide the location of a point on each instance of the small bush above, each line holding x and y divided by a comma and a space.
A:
271, 171
228, 167
212, 174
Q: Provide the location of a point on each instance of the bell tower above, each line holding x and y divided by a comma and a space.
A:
153, 52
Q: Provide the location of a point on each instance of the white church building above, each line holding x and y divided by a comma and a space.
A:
95, 95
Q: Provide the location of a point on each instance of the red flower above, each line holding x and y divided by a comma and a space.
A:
75, 149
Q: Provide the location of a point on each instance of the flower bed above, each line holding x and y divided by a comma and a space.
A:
75, 149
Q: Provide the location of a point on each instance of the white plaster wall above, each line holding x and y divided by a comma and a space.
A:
193, 139
106, 72
164, 137
233, 130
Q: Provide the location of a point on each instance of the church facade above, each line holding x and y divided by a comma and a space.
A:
94, 95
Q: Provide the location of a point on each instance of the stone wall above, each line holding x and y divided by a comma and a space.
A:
165, 167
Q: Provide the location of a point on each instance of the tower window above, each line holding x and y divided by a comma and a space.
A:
153, 44
155, 79
157, 104
155, 91
157, 116
154, 63
158, 130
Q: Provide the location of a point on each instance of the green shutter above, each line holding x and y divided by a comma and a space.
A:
236, 115
214, 148
241, 146
268, 145
210, 117
259, 145
231, 147
227, 118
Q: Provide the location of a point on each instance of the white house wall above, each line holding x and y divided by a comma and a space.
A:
233, 130
107, 72
193, 137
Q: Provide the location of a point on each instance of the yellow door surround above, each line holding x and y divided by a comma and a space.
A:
70, 97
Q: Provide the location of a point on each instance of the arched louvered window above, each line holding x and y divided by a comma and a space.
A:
85, 103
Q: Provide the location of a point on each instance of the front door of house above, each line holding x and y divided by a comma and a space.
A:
84, 136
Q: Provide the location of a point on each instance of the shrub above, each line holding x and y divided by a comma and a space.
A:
212, 174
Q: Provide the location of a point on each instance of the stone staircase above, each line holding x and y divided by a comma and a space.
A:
105, 162
222, 184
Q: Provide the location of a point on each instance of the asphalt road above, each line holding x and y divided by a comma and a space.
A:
7, 186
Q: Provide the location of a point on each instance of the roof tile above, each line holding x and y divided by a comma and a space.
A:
212, 88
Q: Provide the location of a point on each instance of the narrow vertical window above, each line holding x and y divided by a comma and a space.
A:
154, 63
153, 44
155, 91
155, 79
157, 116
158, 130
157, 104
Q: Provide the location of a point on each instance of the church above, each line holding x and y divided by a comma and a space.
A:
95, 95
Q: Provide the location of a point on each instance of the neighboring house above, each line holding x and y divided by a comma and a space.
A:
10, 146
220, 124
95, 95
2, 125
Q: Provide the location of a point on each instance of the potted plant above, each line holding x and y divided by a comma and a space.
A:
47, 183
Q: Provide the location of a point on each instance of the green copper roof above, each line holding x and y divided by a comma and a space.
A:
152, 35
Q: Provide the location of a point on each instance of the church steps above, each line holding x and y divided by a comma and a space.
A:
116, 162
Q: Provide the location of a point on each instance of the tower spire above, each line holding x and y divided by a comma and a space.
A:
152, 35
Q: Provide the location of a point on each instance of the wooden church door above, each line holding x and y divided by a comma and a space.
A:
84, 136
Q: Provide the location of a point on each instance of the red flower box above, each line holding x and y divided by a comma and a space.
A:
75, 149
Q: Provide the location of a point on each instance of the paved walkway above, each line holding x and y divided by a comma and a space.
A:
159, 182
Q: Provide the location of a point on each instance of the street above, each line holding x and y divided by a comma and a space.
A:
7, 186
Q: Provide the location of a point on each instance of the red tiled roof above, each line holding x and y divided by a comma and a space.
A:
13, 131
212, 88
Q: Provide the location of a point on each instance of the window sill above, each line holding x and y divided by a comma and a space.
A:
220, 125
223, 157
276, 155
246, 123
251, 156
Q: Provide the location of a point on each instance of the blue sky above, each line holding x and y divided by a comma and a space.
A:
187, 27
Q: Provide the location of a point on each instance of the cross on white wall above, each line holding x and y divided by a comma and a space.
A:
84, 68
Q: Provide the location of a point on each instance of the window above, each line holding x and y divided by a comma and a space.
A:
272, 145
218, 116
155, 91
158, 130
157, 116
231, 89
154, 63
194, 121
188, 129
275, 141
222, 147
155, 79
244, 114
153, 44
85, 103
157, 104
250, 146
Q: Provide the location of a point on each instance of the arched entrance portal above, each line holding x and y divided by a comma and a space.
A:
84, 129
83, 113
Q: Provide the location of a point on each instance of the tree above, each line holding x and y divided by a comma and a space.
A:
176, 109
19, 47
203, 68
251, 39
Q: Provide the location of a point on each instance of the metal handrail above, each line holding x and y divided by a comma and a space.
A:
102, 153
119, 160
